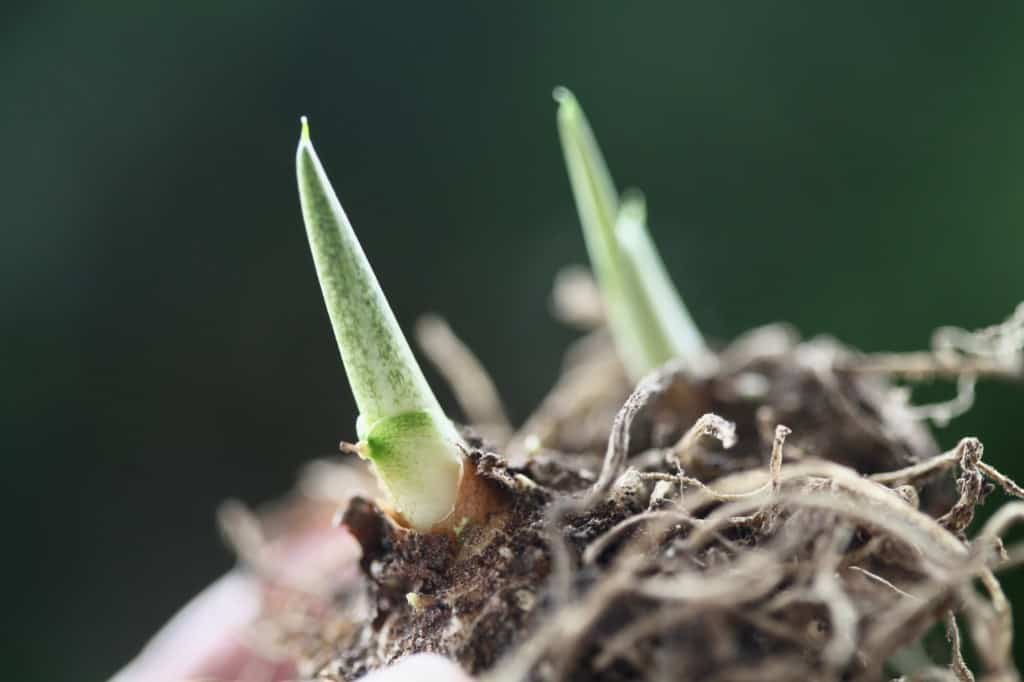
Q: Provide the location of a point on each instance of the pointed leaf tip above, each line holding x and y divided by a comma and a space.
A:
304, 135
568, 106
633, 205
562, 94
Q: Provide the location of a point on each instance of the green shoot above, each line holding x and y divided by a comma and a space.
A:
646, 316
643, 259
412, 445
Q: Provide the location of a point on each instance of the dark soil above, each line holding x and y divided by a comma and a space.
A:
822, 544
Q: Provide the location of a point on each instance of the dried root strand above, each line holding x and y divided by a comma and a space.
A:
970, 485
470, 383
995, 352
707, 426
957, 665
764, 578
647, 391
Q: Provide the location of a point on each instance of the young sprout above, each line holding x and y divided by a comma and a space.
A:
646, 316
412, 446
642, 257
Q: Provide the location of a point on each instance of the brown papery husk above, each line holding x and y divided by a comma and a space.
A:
477, 500
608, 541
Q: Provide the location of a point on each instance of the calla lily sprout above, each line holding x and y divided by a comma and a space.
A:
413, 447
646, 316
643, 259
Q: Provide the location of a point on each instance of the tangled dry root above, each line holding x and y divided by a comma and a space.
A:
815, 573
809, 570
787, 517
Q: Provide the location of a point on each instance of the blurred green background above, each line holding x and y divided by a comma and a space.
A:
853, 168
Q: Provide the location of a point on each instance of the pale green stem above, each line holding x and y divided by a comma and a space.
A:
402, 430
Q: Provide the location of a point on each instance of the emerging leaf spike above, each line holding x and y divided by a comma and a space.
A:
413, 446
588, 174
646, 318
642, 256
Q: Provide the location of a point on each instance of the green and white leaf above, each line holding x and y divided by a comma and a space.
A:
413, 446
